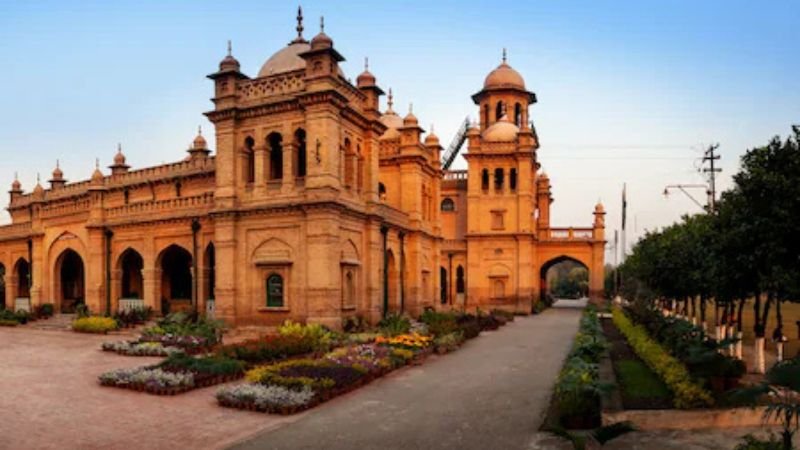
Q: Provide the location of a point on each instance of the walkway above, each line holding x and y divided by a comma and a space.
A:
491, 394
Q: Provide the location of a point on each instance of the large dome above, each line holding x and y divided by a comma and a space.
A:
504, 77
287, 59
501, 131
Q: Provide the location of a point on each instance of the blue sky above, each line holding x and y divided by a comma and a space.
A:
628, 91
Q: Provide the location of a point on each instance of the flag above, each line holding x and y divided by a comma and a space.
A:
624, 206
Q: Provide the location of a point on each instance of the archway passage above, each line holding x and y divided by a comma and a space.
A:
22, 271
563, 277
71, 272
176, 280
2, 286
131, 265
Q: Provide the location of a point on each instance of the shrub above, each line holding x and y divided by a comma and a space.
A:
94, 324
44, 310
208, 332
8, 323
134, 316
675, 376
147, 376
394, 324
207, 365
469, 326
412, 341
82, 311
372, 357
449, 342
139, 349
23, 316
752, 443
507, 315
268, 349
320, 337
439, 323
354, 324
8, 317
300, 374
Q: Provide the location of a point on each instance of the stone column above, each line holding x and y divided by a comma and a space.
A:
151, 287
288, 167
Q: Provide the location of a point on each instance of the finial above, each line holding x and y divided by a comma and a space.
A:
97, 163
16, 176
58, 164
322, 24
431, 128
299, 23
411, 108
199, 130
505, 55
230, 48
390, 100
119, 147
366, 63
38, 178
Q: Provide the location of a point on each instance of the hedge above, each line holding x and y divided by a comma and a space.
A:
687, 393
94, 324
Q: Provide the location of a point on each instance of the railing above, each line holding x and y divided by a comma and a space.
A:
127, 304
570, 234
205, 199
272, 85
456, 175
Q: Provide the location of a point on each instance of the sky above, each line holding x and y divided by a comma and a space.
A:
629, 91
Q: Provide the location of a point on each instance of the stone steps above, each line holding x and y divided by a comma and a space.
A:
59, 322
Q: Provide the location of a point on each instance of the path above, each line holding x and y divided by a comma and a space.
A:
491, 394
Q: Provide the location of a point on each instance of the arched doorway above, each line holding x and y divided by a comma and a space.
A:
131, 265
443, 285
563, 277
2, 286
70, 281
22, 270
176, 279
461, 286
393, 282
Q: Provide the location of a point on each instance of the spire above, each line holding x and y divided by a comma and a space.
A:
366, 64
505, 56
390, 101
299, 28
321, 24
230, 48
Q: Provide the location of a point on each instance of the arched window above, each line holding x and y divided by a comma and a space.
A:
460, 285
178, 187
512, 179
485, 179
274, 291
349, 290
300, 142
275, 156
250, 160
499, 111
448, 205
518, 114
498, 179
381, 191
443, 285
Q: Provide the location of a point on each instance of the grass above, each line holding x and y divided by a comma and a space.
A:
638, 381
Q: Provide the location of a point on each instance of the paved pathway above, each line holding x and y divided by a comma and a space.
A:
50, 399
491, 394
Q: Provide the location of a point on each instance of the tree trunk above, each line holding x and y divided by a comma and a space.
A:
703, 312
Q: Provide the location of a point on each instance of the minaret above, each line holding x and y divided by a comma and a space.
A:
119, 167
58, 180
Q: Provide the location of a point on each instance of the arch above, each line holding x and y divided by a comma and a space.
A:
518, 114
545, 289
275, 141
499, 178
460, 281
70, 281
443, 285
2, 286
302, 155
499, 110
175, 263
348, 286
130, 264
393, 282
448, 205
349, 252
22, 274
485, 179
273, 251
250, 160
382, 191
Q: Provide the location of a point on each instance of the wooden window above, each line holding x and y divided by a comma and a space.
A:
485, 179
499, 177
512, 179
275, 291
448, 205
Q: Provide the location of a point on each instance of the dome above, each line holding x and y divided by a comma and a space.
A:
16, 186
501, 131
200, 142
38, 189
432, 140
229, 63
598, 208
321, 41
287, 59
119, 158
390, 134
58, 174
410, 119
365, 79
504, 77
391, 120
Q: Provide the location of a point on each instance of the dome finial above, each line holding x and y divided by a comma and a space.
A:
199, 130
366, 63
411, 108
299, 23
390, 100
97, 163
321, 24
505, 56
58, 164
230, 48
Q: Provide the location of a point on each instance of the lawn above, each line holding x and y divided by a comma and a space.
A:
639, 381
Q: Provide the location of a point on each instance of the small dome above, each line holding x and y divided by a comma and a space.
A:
410, 120
391, 119
229, 63
432, 140
501, 131
200, 142
38, 189
366, 79
97, 176
598, 208
390, 134
504, 77
119, 158
321, 41
58, 174
16, 186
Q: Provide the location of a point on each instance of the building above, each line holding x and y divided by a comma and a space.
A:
315, 205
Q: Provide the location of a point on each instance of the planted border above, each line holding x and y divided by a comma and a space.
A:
675, 375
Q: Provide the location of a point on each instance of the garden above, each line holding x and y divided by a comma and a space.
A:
9, 318
297, 367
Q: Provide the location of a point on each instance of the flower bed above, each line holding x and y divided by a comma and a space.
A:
269, 349
177, 374
128, 348
269, 399
94, 324
687, 393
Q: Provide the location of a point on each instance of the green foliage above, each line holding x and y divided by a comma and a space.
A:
608, 432
638, 381
94, 324
753, 443
183, 324
687, 394
320, 337
44, 310
208, 365
439, 323
394, 324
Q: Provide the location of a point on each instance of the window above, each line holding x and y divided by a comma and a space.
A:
349, 289
518, 114
443, 285
460, 285
497, 220
250, 160
499, 289
448, 205
274, 291
300, 141
381, 191
512, 179
126, 195
178, 189
275, 156
485, 179
498, 179
499, 111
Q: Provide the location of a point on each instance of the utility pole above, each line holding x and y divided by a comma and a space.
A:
712, 175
